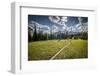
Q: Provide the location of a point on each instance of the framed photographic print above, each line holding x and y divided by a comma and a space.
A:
50, 38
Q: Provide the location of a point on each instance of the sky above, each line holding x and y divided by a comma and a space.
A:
58, 23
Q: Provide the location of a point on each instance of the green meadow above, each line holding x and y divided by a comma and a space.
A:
44, 50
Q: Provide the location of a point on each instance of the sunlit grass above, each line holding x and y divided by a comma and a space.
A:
44, 50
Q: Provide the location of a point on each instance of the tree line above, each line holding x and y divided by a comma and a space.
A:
38, 35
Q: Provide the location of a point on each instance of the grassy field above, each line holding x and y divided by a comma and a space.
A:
44, 50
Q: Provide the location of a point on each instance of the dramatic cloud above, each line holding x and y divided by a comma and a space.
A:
64, 19
80, 20
54, 28
63, 24
54, 19
83, 25
40, 27
59, 21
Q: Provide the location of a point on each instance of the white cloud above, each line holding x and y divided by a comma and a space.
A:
80, 20
60, 22
54, 19
60, 25
64, 19
82, 26
55, 28
40, 27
